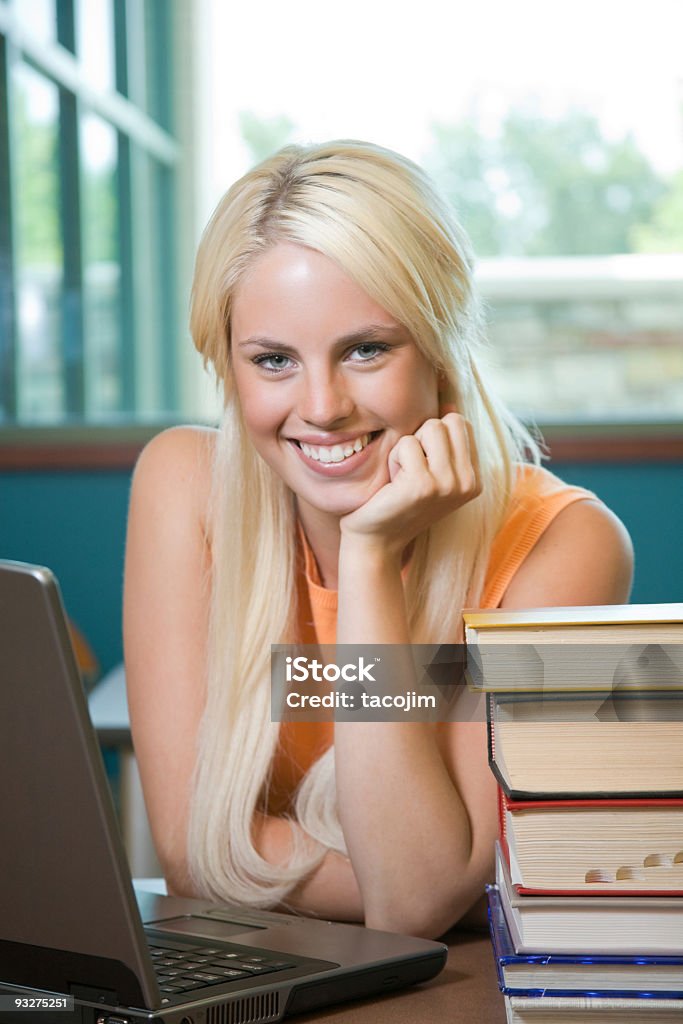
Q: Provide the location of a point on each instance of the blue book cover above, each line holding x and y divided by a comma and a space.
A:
539, 974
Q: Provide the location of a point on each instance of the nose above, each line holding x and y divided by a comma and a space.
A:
325, 399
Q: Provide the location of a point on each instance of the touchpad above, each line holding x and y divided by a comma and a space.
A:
204, 927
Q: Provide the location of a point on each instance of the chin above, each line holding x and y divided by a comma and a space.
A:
337, 505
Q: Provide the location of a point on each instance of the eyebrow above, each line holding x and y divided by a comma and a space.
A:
373, 332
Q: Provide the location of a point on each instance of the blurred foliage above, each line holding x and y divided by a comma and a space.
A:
38, 200
664, 231
36, 187
264, 135
547, 187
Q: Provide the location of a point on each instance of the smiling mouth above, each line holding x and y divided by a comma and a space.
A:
335, 453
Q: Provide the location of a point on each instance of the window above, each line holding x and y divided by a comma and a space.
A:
555, 129
93, 288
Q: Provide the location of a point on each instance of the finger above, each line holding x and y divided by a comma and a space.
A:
407, 456
434, 437
465, 454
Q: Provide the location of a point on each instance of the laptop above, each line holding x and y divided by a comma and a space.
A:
73, 931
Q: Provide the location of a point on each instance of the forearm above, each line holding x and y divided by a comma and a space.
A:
329, 891
402, 815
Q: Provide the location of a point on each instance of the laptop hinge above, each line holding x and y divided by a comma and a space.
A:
57, 970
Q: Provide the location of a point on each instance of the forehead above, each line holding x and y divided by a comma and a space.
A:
293, 289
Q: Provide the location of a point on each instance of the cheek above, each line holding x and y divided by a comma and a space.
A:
260, 421
257, 406
417, 395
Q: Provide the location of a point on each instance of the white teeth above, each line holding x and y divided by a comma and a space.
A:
335, 452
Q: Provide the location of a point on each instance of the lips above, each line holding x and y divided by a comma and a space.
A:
335, 457
336, 452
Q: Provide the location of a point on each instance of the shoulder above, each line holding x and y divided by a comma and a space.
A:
583, 556
173, 471
178, 450
179, 455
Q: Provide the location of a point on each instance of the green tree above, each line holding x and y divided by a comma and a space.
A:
36, 188
264, 135
37, 191
664, 231
100, 230
541, 188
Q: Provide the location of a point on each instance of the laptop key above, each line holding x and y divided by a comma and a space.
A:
204, 976
227, 972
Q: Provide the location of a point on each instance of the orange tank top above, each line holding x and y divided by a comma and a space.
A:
538, 497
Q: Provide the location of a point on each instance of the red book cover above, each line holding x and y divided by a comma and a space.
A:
505, 805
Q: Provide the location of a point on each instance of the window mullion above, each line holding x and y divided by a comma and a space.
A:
8, 323
73, 348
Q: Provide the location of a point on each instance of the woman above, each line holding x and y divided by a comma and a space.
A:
364, 485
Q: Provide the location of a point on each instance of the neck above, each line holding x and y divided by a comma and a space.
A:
324, 537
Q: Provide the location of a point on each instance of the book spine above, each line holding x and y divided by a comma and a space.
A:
547, 802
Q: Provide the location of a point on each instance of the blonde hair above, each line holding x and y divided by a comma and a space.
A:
378, 217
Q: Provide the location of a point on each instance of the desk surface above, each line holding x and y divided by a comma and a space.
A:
466, 992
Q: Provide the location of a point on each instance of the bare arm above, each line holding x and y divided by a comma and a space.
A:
165, 627
419, 813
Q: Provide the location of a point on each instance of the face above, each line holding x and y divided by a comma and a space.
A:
327, 380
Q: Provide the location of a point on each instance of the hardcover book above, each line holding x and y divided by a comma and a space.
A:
592, 1010
646, 925
598, 648
594, 846
537, 974
557, 746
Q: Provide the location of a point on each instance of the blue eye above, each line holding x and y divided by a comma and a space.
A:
272, 362
368, 351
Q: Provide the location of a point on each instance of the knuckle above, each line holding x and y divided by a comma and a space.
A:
470, 483
430, 426
446, 485
427, 488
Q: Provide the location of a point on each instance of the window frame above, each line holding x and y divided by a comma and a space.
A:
166, 147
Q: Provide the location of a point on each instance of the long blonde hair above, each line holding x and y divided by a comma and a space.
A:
378, 217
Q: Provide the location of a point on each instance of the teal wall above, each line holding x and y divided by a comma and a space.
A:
648, 498
75, 523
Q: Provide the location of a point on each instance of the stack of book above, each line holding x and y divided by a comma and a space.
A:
585, 727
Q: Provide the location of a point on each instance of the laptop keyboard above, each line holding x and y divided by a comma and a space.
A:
199, 966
